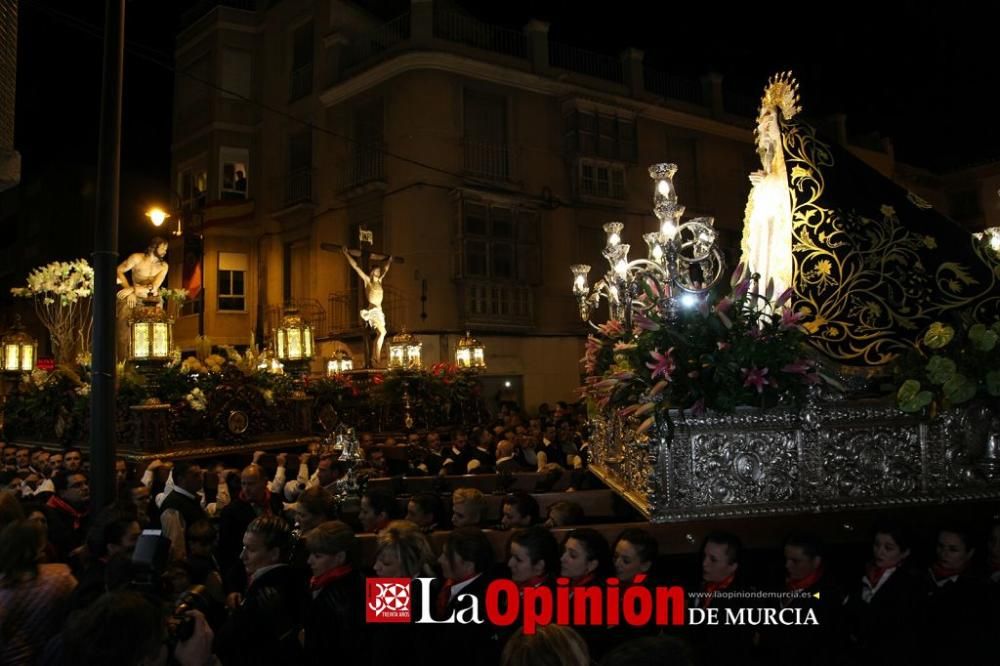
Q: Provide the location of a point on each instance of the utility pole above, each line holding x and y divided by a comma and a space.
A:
105, 260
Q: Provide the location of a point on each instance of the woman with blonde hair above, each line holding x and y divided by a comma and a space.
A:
550, 645
403, 551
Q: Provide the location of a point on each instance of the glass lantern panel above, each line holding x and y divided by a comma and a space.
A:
294, 343
413, 354
140, 339
280, 337
10, 357
396, 356
463, 358
161, 340
346, 365
27, 357
478, 358
307, 337
332, 367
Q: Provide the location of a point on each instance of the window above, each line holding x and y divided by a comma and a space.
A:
302, 61
237, 71
192, 90
601, 135
486, 150
499, 243
234, 163
682, 150
192, 185
299, 186
605, 181
232, 282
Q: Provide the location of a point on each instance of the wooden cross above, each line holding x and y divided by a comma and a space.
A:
366, 256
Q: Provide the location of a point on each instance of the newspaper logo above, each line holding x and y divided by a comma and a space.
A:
388, 600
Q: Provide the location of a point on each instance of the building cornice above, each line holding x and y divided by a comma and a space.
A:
527, 81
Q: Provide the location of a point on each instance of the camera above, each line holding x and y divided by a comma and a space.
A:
181, 625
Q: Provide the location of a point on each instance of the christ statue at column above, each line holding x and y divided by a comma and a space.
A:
373, 314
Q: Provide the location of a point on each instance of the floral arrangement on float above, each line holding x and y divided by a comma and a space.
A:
61, 292
952, 365
715, 353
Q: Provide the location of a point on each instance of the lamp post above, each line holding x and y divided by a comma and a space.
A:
683, 260
158, 216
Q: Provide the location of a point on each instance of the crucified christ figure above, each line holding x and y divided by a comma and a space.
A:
373, 315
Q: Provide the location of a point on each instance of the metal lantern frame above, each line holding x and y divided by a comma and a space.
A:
19, 349
470, 354
151, 332
293, 339
405, 352
339, 363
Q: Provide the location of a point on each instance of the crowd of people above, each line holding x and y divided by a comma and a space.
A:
250, 566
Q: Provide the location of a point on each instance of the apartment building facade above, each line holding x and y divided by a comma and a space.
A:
484, 159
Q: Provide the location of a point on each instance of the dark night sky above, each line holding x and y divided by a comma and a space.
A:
923, 77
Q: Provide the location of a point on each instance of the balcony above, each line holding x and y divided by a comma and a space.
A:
310, 310
301, 82
298, 186
497, 304
596, 65
378, 41
487, 160
365, 165
462, 29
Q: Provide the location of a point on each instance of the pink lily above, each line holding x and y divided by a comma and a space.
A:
756, 377
738, 275
799, 367
644, 323
741, 289
784, 298
612, 328
789, 319
663, 366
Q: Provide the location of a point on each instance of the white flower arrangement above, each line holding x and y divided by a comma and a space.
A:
83, 390
65, 281
61, 291
197, 400
178, 295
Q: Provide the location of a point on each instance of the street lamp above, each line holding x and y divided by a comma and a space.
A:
158, 216
470, 354
19, 349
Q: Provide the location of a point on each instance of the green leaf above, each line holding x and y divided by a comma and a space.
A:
908, 391
959, 389
993, 383
940, 369
918, 402
982, 338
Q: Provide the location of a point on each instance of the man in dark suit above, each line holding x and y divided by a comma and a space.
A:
465, 560
254, 500
181, 508
458, 456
